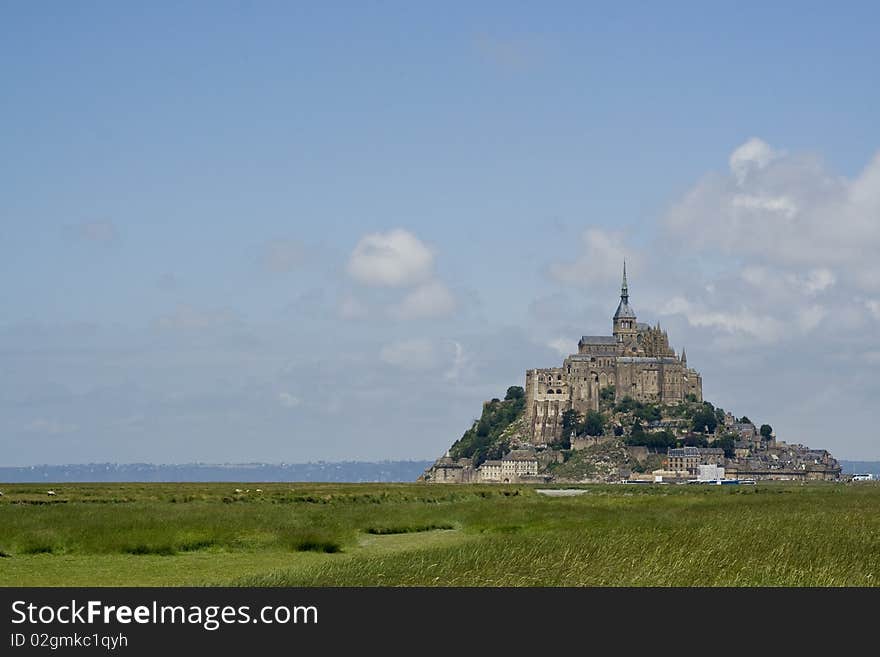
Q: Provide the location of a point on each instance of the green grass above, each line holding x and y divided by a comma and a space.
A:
424, 535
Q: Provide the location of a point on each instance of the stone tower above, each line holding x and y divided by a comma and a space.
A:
625, 330
635, 362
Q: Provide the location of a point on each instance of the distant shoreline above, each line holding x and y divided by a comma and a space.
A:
332, 472
341, 472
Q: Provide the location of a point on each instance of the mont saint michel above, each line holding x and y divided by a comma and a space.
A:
635, 361
624, 407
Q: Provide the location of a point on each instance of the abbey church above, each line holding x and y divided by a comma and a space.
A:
636, 361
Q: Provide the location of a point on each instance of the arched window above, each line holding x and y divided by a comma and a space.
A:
558, 392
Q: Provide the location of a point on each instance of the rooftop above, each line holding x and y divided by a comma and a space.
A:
683, 451
598, 339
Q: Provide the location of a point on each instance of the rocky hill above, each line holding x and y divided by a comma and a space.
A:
624, 439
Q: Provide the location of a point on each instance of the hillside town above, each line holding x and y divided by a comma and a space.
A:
625, 407
756, 458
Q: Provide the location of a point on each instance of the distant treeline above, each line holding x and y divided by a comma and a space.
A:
864, 467
344, 471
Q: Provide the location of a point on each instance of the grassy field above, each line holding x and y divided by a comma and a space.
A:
409, 534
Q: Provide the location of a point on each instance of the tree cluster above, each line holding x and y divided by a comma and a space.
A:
591, 424
483, 440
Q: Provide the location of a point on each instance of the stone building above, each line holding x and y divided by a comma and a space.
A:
518, 465
635, 361
447, 470
689, 459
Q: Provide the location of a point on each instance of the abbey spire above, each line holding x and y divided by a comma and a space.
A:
625, 317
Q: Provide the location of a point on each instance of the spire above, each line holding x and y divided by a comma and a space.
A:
684, 358
623, 310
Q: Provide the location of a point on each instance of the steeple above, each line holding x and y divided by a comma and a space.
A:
623, 309
624, 319
684, 358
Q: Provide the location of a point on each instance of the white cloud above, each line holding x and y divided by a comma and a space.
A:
763, 328
873, 306
562, 346
818, 280
785, 284
753, 155
395, 259
460, 361
781, 205
433, 299
601, 261
412, 354
801, 238
784, 209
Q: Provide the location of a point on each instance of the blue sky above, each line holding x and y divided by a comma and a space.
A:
193, 199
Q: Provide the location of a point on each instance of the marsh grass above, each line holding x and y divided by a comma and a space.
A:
771, 534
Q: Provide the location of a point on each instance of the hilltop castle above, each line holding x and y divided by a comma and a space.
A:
636, 361
627, 378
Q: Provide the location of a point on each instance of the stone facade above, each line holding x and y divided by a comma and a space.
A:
689, 459
636, 360
517, 466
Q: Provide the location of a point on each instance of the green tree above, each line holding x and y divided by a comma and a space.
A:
660, 440
727, 443
594, 423
655, 440
648, 412
704, 420
514, 392
606, 394
695, 440
636, 434
766, 430
744, 420
571, 421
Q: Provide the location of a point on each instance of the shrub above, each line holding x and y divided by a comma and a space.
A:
142, 549
317, 545
408, 529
